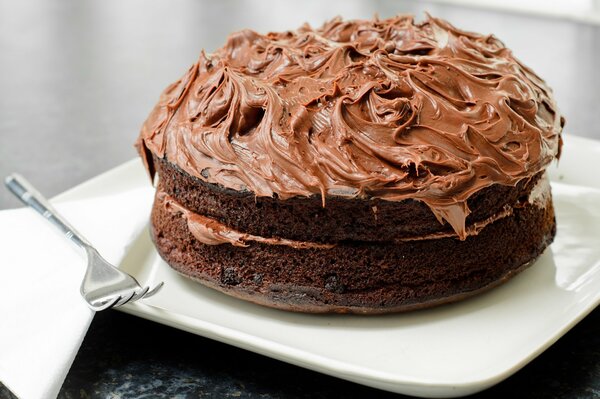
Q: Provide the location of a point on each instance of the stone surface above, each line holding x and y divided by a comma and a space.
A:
126, 357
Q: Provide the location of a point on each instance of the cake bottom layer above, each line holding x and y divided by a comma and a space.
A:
358, 277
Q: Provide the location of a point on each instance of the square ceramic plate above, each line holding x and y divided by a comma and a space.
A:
452, 350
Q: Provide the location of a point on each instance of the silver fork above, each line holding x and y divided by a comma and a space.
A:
104, 286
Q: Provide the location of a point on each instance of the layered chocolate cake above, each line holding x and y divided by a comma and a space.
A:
366, 166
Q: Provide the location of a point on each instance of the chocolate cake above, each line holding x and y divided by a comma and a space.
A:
366, 166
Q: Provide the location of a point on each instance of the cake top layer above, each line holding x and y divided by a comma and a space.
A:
391, 109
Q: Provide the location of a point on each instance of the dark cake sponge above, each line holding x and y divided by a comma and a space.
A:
305, 218
358, 277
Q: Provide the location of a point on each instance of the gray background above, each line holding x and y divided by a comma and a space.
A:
78, 78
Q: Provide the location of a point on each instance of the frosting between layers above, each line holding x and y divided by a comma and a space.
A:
210, 231
390, 109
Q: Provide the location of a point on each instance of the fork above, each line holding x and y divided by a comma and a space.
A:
104, 286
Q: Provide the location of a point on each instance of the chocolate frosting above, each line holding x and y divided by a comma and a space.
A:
390, 109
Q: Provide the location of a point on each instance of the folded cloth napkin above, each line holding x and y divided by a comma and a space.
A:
43, 318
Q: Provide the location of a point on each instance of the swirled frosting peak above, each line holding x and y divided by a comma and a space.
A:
389, 109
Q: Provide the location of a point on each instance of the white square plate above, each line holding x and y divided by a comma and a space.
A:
452, 350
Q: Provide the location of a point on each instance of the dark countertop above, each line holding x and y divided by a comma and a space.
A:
78, 79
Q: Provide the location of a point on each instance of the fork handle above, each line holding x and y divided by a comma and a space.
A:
23, 190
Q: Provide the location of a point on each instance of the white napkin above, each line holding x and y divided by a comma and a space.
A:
43, 319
